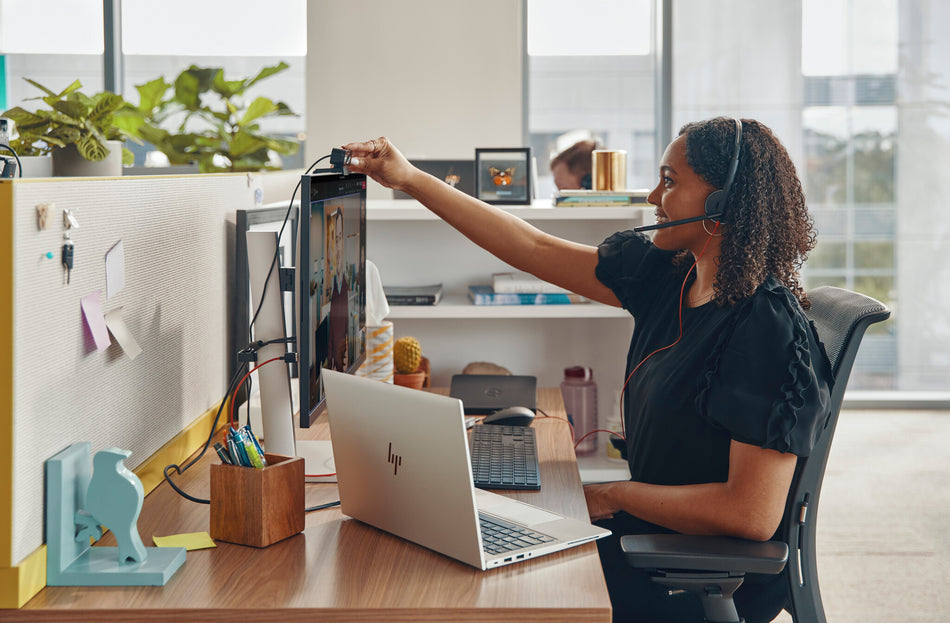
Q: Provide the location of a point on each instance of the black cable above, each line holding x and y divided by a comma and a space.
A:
321, 507
240, 370
19, 167
214, 427
280, 233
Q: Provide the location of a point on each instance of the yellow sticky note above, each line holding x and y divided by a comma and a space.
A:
190, 541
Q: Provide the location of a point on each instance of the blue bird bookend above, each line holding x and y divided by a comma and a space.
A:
79, 504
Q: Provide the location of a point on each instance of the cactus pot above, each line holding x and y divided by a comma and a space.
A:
413, 379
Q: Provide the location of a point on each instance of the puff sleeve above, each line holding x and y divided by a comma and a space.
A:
632, 267
768, 381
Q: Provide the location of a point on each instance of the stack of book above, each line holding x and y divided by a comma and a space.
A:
593, 198
521, 289
413, 295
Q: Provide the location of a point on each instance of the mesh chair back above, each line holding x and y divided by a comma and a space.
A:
841, 317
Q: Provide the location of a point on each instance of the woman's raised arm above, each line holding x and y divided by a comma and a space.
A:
526, 248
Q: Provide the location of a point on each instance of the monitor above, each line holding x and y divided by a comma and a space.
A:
331, 282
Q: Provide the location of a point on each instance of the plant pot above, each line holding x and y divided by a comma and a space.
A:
68, 163
414, 380
37, 166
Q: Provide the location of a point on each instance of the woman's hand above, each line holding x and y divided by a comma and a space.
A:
379, 159
599, 505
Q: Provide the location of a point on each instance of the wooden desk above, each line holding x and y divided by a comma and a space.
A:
339, 569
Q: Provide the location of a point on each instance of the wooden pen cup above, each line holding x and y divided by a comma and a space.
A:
258, 507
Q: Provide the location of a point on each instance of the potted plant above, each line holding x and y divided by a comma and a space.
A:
77, 129
407, 363
214, 125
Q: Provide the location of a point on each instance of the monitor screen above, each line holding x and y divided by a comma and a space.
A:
331, 288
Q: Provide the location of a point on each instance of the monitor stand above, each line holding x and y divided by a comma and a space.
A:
277, 410
275, 389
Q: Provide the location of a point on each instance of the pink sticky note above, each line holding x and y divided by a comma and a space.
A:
92, 311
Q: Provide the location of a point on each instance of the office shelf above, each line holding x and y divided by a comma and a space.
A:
540, 210
458, 307
412, 247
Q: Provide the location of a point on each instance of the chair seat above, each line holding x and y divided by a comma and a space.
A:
727, 555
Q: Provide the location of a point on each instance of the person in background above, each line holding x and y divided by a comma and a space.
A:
726, 381
572, 167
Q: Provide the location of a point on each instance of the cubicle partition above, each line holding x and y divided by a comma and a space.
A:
126, 349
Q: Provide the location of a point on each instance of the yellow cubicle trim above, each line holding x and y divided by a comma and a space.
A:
6, 375
19, 584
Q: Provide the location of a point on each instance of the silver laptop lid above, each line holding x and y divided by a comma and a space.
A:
402, 461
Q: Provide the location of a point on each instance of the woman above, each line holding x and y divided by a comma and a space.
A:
726, 380
572, 167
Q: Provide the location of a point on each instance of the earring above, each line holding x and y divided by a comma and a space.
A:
715, 229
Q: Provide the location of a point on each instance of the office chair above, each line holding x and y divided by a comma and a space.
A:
714, 567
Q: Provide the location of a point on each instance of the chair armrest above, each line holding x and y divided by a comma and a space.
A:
703, 553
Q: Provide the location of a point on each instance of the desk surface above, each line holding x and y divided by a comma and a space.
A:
340, 569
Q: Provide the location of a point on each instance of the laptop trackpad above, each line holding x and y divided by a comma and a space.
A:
512, 510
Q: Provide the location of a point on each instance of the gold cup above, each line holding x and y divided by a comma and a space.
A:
609, 169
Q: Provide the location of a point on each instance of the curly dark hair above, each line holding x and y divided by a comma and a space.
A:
766, 227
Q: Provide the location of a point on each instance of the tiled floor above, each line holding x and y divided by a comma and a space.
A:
884, 519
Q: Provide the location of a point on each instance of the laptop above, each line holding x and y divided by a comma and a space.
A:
402, 461
483, 394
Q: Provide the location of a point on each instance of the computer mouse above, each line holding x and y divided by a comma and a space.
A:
510, 416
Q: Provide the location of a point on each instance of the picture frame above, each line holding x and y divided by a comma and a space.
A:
459, 174
503, 175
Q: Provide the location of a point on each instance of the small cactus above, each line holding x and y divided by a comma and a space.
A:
407, 355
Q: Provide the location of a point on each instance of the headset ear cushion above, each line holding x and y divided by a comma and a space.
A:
713, 206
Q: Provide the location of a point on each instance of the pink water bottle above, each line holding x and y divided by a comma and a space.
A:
580, 399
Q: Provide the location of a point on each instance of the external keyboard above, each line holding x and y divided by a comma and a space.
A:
505, 457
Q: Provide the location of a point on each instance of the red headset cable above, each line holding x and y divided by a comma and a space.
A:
623, 389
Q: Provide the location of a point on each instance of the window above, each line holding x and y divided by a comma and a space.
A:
850, 137
236, 35
858, 92
590, 75
69, 48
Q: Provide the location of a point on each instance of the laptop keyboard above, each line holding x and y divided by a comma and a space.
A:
499, 536
505, 457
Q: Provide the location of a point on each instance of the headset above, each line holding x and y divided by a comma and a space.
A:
716, 201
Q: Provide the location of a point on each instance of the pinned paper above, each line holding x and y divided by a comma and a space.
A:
115, 269
120, 331
92, 311
190, 541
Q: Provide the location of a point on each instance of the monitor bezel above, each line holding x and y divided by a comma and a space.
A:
307, 415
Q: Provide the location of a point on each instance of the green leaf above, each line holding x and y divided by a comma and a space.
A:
151, 94
71, 108
187, 91
76, 85
65, 134
260, 107
227, 88
282, 146
24, 118
105, 104
91, 149
284, 110
128, 158
244, 143
267, 72
128, 124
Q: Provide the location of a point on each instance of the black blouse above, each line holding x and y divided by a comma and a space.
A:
755, 372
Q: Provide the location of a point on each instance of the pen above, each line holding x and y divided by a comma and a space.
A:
223, 453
